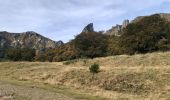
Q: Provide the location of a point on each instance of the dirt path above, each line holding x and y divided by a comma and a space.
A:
13, 92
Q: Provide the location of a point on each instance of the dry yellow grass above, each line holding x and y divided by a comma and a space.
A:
137, 77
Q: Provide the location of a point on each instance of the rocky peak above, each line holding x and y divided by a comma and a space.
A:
88, 28
28, 39
59, 43
125, 23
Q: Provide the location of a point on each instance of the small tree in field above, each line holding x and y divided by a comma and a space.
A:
94, 69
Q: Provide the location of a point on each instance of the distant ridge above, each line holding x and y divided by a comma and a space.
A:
27, 39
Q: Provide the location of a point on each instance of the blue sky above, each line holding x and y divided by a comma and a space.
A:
63, 19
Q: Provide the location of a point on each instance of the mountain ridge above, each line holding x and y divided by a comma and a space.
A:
27, 39
115, 30
34, 40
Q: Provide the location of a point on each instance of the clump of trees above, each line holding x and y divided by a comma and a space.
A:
91, 44
66, 52
85, 45
113, 46
147, 35
2, 52
20, 54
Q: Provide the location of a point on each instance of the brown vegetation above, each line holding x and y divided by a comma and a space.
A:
129, 77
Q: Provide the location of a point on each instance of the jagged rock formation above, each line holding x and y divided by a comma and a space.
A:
88, 28
125, 23
115, 30
26, 40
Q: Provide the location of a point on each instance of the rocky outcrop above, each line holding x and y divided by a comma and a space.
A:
26, 40
115, 30
125, 23
88, 28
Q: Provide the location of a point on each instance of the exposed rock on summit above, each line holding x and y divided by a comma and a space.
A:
125, 23
115, 30
88, 28
26, 40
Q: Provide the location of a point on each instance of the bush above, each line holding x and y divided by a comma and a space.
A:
94, 68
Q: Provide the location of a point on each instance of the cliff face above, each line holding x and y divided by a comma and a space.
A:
26, 40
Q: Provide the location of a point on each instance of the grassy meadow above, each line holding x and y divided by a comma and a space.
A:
137, 77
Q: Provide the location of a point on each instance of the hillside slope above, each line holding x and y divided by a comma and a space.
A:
26, 40
135, 77
163, 15
116, 30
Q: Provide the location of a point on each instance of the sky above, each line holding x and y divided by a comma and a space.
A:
64, 19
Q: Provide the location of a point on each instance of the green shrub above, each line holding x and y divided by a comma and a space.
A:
94, 68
